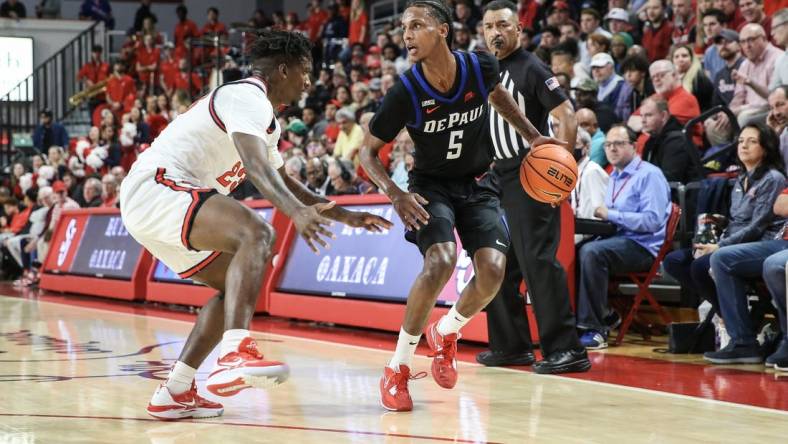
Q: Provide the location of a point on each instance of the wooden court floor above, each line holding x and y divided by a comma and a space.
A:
71, 374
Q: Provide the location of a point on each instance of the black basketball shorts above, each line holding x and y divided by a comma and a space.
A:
470, 206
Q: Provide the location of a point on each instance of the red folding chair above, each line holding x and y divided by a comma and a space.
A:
643, 280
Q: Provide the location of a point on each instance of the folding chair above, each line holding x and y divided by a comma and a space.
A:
644, 279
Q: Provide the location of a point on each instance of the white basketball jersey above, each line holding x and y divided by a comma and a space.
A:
197, 146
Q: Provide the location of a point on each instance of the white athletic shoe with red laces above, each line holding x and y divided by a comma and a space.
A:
164, 405
245, 369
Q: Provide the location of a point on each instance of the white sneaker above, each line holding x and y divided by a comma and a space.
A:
243, 369
165, 405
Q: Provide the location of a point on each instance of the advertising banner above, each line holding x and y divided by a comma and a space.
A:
107, 249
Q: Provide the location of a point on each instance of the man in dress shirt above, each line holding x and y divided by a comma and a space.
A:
754, 75
638, 203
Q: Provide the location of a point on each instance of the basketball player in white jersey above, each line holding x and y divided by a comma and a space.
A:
174, 202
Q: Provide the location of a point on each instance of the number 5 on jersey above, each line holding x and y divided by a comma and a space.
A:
455, 145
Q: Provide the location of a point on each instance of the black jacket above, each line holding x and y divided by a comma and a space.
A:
669, 150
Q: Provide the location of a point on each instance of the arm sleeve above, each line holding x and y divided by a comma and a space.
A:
654, 201
489, 67
762, 213
244, 108
395, 112
545, 86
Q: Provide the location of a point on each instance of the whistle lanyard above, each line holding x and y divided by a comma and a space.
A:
623, 185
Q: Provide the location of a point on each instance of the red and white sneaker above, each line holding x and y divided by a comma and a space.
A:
394, 394
444, 350
166, 406
243, 369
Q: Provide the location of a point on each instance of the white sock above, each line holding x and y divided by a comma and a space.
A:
406, 348
231, 339
180, 378
452, 322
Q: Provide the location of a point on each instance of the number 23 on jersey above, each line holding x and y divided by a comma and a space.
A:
233, 177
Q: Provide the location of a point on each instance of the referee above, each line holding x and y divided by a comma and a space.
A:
534, 227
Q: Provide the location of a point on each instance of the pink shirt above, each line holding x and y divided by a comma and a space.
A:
760, 72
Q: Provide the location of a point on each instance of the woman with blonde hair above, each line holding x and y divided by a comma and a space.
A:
693, 79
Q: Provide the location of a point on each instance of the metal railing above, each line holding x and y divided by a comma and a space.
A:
49, 87
382, 12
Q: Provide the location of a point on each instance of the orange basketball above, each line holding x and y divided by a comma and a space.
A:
548, 173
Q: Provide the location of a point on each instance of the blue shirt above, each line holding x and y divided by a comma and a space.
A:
638, 202
712, 62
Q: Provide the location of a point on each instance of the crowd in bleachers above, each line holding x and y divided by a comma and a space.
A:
638, 71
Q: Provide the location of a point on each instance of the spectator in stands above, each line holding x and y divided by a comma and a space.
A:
657, 31
316, 174
618, 21
91, 193
212, 25
527, 12
780, 37
334, 32
638, 203
754, 75
752, 11
14, 184
13, 220
462, 37
109, 191
119, 87
185, 28
350, 137
61, 202
586, 119
48, 132
589, 194
358, 23
293, 168
610, 83
619, 45
342, 177
361, 101
778, 118
48, 9
98, 11
713, 23
636, 88
591, 23
691, 74
93, 72
563, 60
732, 12
56, 158
23, 244
147, 58
191, 84
666, 147
13, 9
586, 97
774, 275
757, 188
683, 22
142, 12
297, 133
667, 83
727, 43
596, 44
315, 19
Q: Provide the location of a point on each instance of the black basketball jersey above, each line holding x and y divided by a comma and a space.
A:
450, 131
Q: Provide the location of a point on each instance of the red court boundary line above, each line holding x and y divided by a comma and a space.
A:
707, 382
247, 424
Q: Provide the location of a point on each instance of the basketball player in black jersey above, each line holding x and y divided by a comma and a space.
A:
534, 227
442, 100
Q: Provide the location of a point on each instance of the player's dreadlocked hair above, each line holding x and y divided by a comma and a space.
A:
280, 47
437, 10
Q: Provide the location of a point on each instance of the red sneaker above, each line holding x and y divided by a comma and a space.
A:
243, 369
394, 394
166, 406
444, 350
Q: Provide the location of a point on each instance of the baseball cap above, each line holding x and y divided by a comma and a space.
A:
617, 14
727, 34
59, 186
587, 85
298, 126
558, 6
336, 103
374, 49
374, 84
601, 59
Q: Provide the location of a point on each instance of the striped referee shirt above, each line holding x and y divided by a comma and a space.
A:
536, 91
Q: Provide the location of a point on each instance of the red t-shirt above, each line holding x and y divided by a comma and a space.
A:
94, 72
358, 26
157, 123
657, 41
214, 28
147, 56
384, 154
527, 14
184, 30
120, 88
168, 69
182, 82
313, 23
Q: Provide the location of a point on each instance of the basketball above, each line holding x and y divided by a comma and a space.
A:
548, 173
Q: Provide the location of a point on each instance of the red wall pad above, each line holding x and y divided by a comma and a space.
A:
92, 253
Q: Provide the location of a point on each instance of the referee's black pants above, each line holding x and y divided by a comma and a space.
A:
535, 232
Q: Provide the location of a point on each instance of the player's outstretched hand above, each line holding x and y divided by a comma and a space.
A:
410, 210
543, 140
366, 220
310, 225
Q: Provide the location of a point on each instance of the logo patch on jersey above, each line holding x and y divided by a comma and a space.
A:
426, 103
468, 96
552, 83
431, 110
272, 126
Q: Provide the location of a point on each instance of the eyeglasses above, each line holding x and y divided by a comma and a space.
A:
617, 144
750, 40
